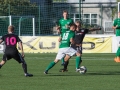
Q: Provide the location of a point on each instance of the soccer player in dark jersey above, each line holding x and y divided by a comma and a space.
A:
79, 36
11, 51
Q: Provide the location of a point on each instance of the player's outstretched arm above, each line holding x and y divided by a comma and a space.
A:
95, 29
21, 48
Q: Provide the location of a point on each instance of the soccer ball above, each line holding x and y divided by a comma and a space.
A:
83, 70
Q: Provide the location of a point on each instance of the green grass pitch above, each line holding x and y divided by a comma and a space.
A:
103, 74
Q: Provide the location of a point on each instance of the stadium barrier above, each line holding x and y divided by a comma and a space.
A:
50, 44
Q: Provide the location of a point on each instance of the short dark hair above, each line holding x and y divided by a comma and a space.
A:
77, 21
73, 24
65, 11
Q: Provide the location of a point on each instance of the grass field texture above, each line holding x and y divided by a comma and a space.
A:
103, 74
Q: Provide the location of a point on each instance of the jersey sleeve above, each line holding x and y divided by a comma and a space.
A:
18, 39
72, 35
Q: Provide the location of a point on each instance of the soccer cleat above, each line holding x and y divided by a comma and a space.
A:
63, 70
28, 75
116, 60
77, 70
46, 72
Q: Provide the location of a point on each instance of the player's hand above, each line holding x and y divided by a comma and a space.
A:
59, 40
59, 31
23, 55
57, 27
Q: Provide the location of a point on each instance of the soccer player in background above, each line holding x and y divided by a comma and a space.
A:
116, 27
11, 51
63, 25
77, 45
64, 47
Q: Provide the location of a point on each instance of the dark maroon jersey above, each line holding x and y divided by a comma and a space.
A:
10, 40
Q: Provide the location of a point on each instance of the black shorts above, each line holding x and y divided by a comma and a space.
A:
9, 54
79, 49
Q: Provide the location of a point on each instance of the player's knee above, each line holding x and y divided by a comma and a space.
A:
2, 62
67, 58
78, 54
56, 60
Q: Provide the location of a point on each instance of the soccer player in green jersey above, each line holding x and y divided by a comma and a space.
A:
64, 47
116, 27
63, 25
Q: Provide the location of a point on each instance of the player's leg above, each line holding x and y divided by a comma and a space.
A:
78, 57
18, 57
62, 61
117, 58
59, 56
2, 63
69, 53
51, 65
5, 57
78, 61
66, 62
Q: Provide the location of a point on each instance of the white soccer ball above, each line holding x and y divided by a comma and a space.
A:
83, 70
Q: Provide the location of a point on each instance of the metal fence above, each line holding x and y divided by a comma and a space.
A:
90, 14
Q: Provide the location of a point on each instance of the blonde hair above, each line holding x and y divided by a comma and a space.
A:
11, 28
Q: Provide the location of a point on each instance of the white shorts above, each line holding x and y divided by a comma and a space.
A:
118, 40
63, 51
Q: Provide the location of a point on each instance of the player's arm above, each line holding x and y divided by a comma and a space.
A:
94, 29
72, 40
114, 25
58, 26
21, 48
59, 39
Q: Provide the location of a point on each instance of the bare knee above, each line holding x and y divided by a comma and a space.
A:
67, 57
2, 62
56, 60
78, 54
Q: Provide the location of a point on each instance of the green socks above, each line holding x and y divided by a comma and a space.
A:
118, 52
62, 60
50, 65
78, 60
